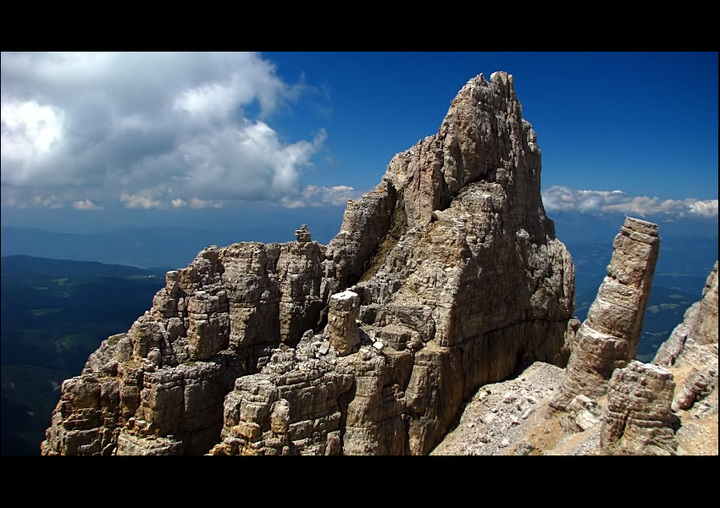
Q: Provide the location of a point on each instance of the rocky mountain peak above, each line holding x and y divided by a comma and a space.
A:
483, 147
482, 137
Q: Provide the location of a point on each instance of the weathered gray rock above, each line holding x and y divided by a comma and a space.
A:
698, 385
215, 320
636, 417
421, 252
608, 338
692, 349
302, 235
132, 444
292, 408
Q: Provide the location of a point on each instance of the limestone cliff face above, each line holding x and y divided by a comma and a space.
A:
446, 277
691, 353
160, 387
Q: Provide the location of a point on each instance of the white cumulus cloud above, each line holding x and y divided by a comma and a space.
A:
30, 133
560, 198
147, 130
144, 202
336, 195
705, 208
85, 204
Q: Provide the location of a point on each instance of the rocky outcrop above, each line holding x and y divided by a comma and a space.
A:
439, 314
639, 419
698, 386
694, 339
167, 377
446, 277
344, 309
691, 353
608, 338
669, 407
692, 350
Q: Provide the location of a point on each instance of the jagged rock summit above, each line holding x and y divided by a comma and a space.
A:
446, 277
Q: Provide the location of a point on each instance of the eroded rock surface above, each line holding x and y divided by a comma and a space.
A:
695, 339
446, 277
439, 312
167, 377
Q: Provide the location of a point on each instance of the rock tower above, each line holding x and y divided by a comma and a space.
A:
608, 338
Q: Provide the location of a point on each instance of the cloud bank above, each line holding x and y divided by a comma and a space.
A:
565, 199
148, 130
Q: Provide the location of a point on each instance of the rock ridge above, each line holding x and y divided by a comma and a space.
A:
438, 320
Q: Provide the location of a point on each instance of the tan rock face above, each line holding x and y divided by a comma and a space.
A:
665, 408
445, 277
697, 332
215, 320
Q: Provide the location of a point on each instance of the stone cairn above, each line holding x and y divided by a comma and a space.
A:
302, 235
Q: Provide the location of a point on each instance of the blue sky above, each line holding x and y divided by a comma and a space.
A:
97, 141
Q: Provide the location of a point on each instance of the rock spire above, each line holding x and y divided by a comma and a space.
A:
608, 338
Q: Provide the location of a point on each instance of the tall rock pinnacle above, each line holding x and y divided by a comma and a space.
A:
608, 339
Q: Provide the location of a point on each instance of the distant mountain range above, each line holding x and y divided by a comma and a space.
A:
147, 247
54, 313
139, 247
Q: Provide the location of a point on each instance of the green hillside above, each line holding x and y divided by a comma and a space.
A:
54, 313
